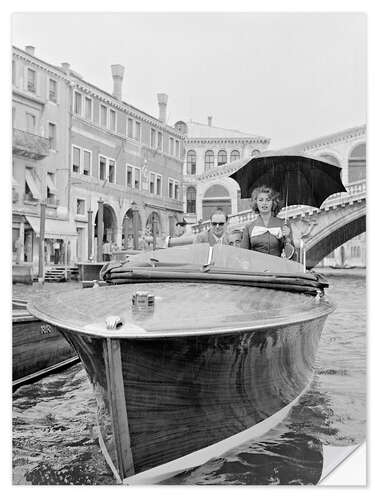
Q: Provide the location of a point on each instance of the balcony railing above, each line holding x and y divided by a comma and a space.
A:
30, 145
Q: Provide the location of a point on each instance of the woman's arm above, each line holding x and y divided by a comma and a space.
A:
288, 241
245, 242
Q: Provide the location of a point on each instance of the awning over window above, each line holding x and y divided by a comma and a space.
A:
55, 229
32, 184
15, 184
51, 185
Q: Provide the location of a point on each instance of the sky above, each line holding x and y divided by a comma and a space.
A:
289, 76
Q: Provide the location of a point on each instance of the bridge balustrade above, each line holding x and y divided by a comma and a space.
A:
355, 190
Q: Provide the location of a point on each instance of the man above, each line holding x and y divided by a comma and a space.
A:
56, 251
235, 238
217, 234
180, 228
106, 250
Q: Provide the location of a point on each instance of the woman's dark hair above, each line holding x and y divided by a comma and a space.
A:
276, 203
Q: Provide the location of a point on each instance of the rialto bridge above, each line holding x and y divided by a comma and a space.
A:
323, 231
341, 218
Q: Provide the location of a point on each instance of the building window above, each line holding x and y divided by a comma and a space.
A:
209, 159
30, 123
130, 128
171, 146
158, 185
112, 120
133, 177
51, 189
86, 162
52, 135
191, 162
80, 207
129, 176
103, 116
355, 252
235, 155
178, 149
102, 168
255, 152
137, 178
221, 158
77, 103
88, 108
14, 73
32, 192
173, 189
357, 163
152, 183
137, 131
111, 171
31, 80
28, 193
52, 94
153, 138
76, 160
160, 141
191, 197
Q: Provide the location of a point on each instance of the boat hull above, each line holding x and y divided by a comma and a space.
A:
160, 399
37, 347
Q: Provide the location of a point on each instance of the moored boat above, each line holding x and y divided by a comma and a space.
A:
37, 348
194, 351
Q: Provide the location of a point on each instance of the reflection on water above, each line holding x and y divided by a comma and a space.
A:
55, 441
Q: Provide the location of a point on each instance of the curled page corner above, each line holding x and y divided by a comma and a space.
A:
344, 465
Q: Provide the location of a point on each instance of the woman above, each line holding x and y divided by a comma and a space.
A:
267, 233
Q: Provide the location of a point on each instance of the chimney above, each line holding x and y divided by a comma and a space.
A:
30, 50
210, 121
65, 66
162, 101
118, 76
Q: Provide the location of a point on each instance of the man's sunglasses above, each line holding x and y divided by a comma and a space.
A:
218, 223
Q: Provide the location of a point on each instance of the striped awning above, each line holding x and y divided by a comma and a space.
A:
54, 228
32, 184
50, 184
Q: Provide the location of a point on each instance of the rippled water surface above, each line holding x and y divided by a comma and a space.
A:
54, 428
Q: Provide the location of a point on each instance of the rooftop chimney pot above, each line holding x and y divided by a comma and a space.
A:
30, 49
210, 121
118, 77
162, 101
65, 66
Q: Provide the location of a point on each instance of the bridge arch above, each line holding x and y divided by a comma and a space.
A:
216, 196
343, 228
110, 225
330, 158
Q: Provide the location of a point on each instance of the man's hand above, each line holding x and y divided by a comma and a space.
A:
285, 231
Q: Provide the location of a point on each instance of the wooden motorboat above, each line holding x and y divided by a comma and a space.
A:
194, 351
38, 348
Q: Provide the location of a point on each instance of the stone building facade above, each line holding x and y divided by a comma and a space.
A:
208, 148
126, 159
41, 142
78, 149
